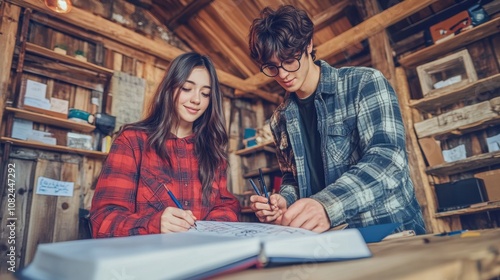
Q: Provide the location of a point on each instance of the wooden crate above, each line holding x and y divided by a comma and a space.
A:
449, 72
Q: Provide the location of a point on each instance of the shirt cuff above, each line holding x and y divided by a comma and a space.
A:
289, 193
154, 224
333, 208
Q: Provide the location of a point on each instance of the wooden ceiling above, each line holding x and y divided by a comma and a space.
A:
219, 28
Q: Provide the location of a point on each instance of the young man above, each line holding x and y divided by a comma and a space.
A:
339, 136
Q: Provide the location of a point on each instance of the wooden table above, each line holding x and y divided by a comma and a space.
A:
418, 257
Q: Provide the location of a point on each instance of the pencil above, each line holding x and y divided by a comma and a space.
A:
179, 205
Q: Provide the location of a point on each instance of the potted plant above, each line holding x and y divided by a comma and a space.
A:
80, 55
61, 48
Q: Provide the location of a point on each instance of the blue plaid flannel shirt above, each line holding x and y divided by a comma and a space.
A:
363, 150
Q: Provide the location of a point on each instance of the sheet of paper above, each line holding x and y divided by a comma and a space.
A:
59, 105
240, 229
35, 90
493, 143
22, 129
42, 136
47, 186
39, 103
455, 154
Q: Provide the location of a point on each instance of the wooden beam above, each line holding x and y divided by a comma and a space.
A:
333, 13
359, 32
132, 39
237, 83
423, 189
146, 4
380, 47
187, 13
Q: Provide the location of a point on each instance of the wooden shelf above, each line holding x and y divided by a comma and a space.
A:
445, 97
45, 119
467, 164
422, 56
35, 49
482, 207
266, 170
57, 148
464, 129
266, 146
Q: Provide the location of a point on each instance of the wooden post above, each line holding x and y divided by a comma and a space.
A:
380, 47
9, 21
423, 189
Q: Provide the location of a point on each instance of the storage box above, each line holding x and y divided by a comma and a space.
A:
446, 73
451, 26
432, 150
460, 194
491, 181
79, 141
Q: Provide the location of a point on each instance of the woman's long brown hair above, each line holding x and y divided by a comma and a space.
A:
209, 129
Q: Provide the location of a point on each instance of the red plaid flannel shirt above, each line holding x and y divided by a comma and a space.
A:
129, 197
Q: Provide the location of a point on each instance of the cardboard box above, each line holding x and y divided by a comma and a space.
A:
491, 181
432, 150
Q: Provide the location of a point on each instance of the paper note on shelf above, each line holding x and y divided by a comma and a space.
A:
37, 103
35, 90
42, 136
493, 143
21, 129
59, 105
455, 154
217, 247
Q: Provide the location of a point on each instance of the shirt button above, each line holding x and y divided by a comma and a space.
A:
185, 185
186, 203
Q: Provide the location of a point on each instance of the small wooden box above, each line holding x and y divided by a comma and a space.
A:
446, 73
492, 183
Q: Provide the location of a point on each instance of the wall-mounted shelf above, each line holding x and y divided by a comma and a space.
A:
56, 148
266, 146
479, 32
35, 49
483, 207
464, 129
467, 164
45, 119
448, 97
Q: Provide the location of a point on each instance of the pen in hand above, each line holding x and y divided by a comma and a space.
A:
179, 205
254, 187
264, 188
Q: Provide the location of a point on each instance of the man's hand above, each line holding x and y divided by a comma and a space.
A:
268, 213
176, 220
307, 213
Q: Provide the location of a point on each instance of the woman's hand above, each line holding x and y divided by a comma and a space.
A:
176, 220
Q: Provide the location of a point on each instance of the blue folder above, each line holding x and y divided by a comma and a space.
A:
376, 233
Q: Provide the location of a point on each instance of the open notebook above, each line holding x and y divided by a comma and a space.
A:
215, 247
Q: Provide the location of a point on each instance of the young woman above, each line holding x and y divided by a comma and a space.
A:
179, 147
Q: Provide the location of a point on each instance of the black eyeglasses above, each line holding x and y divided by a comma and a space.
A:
289, 65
